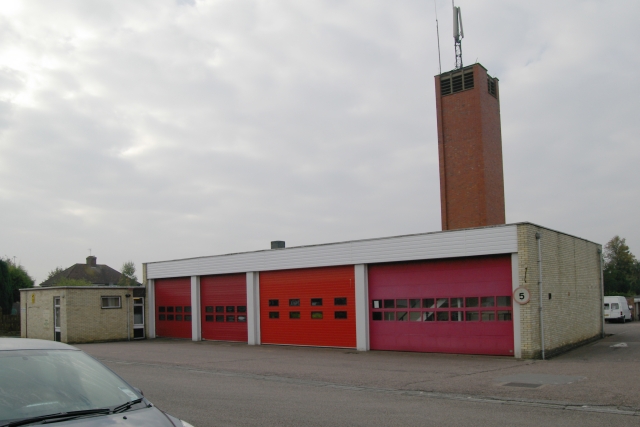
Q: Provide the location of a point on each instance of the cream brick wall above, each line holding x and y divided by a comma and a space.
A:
571, 274
82, 317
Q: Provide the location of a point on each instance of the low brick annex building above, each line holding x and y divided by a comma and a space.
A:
77, 314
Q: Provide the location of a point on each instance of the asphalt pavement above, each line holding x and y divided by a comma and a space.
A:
216, 383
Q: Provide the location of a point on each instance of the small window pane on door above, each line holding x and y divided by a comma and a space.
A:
231, 309
457, 316
376, 303
376, 315
316, 315
208, 309
169, 309
294, 315
389, 303
428, 316
242, 319
442, 316
161, 309
472, 302
162, 317
415, 316
488, 316
402, 316
428, 303
178, 309
316, 301
340, 315
443, 303
473, 316
340, 301
487, 302
219, 317
504, 301
274, 315
187, 309
294, 302
457, 302
274, 303
187, 318
219, 309
504, 315
401, 303
179, 317
242, 309
389, 315
414, 303
169, 316
231, 318
208, 318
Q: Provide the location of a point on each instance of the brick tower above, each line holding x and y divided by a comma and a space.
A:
470, 148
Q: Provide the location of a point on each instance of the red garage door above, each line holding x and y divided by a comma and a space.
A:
314, 306
447, 306
173, 307
224, 307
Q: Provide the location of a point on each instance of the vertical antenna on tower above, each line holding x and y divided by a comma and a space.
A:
438, 35
458, 34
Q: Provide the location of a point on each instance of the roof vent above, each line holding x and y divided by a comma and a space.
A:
91, 261
277, 244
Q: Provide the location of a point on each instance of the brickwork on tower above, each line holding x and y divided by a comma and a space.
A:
470, 149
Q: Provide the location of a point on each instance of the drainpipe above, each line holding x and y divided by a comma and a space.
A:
601, 289
538, 236
128, 328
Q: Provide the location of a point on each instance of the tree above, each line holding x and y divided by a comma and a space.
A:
54, 272
128, 277
12, 279
621, 268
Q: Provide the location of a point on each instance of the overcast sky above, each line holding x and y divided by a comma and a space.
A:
159, 129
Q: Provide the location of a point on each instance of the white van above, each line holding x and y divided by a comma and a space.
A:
616, 308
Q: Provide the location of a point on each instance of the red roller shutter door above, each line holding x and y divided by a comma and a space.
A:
314, 306
173, 307
447, 306
224, 307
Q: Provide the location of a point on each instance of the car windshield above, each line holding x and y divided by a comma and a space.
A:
42, 382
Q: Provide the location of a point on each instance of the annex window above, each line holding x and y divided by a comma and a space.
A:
111, 302
316, 301
340, 301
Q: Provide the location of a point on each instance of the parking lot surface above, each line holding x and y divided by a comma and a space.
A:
216, 383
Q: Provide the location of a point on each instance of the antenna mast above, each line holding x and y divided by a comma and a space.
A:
458, 34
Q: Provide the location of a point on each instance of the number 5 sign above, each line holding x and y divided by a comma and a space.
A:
521, 295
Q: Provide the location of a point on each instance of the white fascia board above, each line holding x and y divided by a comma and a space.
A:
445, 244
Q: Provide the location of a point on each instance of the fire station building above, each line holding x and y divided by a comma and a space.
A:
468, 291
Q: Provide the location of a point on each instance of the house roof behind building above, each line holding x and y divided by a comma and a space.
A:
96, 274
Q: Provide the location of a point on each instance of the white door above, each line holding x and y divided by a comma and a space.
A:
138, 318
56, 319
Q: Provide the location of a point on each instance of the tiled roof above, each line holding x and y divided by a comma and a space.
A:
100, 274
